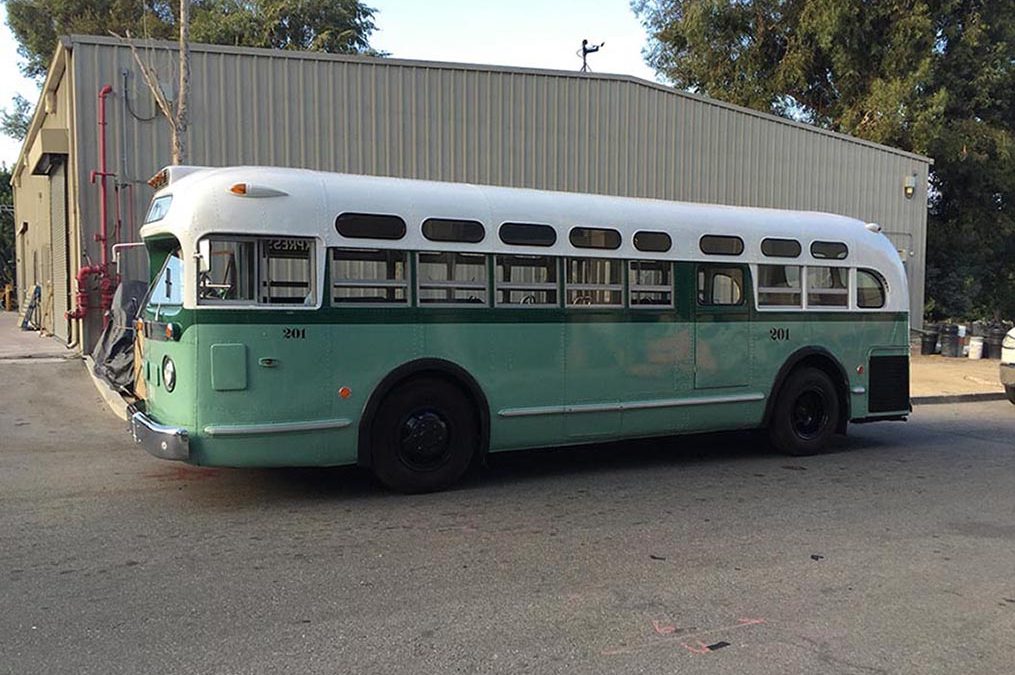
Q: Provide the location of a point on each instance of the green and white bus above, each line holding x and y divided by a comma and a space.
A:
298, 318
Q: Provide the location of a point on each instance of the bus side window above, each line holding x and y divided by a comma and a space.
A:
230, 272
287, 271
650, 283
779, 286
718, 285
367, 276
870, 290
827, 287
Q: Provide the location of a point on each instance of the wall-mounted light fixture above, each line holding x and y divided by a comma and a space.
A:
909, 186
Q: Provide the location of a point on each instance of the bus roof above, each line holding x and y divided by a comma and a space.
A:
299, 202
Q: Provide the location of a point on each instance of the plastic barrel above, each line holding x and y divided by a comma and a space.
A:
992, 343
951, 345
976, 347
928, 343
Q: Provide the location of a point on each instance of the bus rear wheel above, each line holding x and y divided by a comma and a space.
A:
806, 413
424, 436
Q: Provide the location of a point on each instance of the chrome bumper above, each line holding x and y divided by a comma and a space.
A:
158, 440
1008, 374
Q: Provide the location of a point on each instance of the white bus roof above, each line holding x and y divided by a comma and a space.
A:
203, 204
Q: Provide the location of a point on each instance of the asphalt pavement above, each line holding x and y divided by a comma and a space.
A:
893, 553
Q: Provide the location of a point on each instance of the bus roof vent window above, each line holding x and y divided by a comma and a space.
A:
465, 231
528, 234
829, 250
370, 226
716, 244
780, 248
595, 237
658, 242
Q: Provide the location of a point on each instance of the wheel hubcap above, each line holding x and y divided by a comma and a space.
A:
424, 441
810, 414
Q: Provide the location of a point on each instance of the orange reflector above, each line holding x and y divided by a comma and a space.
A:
169, 331
159, 180
345, 392
239, 189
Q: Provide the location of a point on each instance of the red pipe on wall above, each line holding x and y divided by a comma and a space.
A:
107, 281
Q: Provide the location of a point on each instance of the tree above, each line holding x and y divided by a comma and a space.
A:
6, 227
930, 76
14, 122
339, 26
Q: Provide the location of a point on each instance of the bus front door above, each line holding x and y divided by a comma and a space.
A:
721, 327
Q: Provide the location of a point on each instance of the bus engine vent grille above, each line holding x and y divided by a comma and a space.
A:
889, 384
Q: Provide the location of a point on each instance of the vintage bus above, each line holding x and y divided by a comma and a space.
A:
298, 318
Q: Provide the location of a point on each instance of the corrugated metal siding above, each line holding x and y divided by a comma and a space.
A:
540, 129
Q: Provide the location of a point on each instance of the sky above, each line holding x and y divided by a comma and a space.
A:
524, 33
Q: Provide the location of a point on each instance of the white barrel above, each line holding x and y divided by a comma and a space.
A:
976, 347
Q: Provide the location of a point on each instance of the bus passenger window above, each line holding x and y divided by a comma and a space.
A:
368, 276
720, 285
827, 287
228, 273
287, 271
870, 290
651, 283
452, 279
594, 282
779, 286
526, 280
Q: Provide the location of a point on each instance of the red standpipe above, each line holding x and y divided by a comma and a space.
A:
107, 281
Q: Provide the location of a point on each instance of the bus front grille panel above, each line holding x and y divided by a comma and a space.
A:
889, 384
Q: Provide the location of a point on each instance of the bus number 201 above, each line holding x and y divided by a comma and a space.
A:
294, 333
779, 333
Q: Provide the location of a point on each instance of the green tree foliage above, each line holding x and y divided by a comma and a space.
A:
14, 122
6, 227
338, 26
930, 76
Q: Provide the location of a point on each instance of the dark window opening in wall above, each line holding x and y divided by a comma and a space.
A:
829, 250
441, 229
370, 226
780, 248
595, 237
716, 244
528, 234
657, 242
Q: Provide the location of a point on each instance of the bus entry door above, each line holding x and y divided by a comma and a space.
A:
722, 341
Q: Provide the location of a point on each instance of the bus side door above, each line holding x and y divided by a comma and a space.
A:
722, 351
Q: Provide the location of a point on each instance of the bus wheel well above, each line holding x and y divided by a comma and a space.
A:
822, 359
439, 368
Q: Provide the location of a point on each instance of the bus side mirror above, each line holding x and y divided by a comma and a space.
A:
204, 255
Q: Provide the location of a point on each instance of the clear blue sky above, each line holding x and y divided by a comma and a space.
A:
530, 33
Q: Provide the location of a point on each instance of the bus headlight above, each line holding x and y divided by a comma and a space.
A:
168, 373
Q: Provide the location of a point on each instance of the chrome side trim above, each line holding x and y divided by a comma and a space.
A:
630, 405
280, 428
859, 390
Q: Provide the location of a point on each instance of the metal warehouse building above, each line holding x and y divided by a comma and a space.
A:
554, 130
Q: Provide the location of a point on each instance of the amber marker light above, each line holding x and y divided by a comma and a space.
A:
345, 392
172, 332
238, 188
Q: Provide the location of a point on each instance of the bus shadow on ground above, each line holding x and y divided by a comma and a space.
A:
665, 453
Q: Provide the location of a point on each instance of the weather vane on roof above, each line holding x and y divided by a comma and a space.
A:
586, 50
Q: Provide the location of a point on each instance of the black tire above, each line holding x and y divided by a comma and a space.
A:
424, 436
806, 413
1009, 391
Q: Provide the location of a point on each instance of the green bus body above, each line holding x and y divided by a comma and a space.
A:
261, 387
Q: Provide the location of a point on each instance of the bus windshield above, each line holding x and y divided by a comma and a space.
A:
167, 290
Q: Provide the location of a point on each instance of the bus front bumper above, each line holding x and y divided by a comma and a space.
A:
159, 440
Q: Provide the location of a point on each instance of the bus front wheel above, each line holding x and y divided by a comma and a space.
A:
806, 413
424, 436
